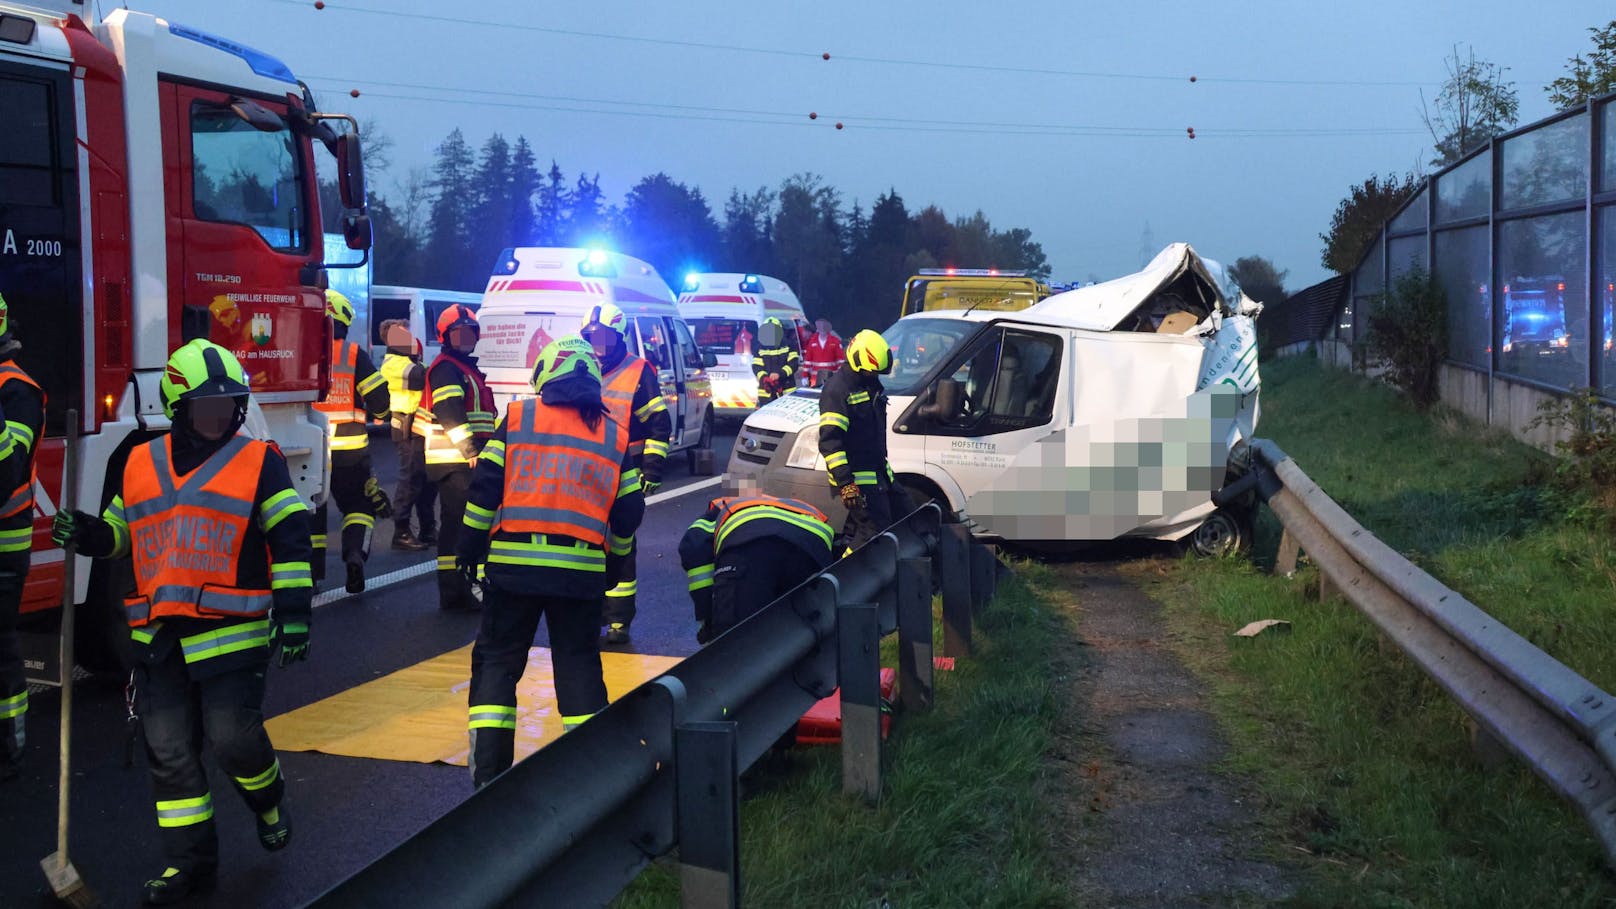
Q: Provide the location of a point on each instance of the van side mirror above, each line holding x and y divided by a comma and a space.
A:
709, 359
945, 401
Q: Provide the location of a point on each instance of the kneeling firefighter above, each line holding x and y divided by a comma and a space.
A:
746, 551
220, 543
555, 487
775, 362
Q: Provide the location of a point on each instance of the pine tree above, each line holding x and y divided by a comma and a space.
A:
521, 228
492, 214
555, 201
589, 218
448, 248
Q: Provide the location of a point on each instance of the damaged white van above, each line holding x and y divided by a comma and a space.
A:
1115, 410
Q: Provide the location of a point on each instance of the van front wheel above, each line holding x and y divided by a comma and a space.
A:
704, 442
1225, 532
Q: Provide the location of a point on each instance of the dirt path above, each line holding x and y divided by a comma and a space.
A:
1151, 822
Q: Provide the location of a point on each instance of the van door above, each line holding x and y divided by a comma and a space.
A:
697, 393
1005, 391
656, 346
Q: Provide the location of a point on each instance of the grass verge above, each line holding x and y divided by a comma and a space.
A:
1366, 764
960, 820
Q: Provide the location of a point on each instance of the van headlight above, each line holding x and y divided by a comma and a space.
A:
805, 451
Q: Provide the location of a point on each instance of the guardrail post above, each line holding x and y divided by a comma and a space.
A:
983, 577
953, 560
1289, 550
914, 633
858, 669
706, 770
1329, 591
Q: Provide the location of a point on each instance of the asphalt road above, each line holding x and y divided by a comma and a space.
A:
345, 811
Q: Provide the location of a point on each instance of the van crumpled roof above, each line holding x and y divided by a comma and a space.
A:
1200, 285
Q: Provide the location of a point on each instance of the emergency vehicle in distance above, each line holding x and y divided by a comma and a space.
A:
971, 288
158, 182
724, 311
1114, 410
537, 294
418, 306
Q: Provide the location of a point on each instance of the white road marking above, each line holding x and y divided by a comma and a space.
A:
338, 594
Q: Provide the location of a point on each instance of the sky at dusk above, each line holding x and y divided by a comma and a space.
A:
1068, 118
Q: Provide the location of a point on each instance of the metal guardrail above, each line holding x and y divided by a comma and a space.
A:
577, 821
1560, 724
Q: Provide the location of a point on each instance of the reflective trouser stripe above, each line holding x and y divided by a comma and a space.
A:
491, 716
446, 563
263, 780
318, 540
14, 706
624, 589
19, 539
573, 722
185, 812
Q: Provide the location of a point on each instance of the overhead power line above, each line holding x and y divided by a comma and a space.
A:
509, 26
572, 104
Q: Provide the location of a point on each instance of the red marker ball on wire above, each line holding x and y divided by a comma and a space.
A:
1192, 78
838, 124
813, 115
319, 4
353, 92
825, 55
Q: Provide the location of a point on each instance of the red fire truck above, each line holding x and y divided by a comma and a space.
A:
157, 184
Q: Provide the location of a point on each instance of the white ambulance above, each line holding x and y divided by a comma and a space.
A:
420, 307
1115, 410
724, 311
538, 294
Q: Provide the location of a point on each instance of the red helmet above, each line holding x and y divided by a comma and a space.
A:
456, 314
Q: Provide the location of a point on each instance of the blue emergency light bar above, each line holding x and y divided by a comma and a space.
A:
972, 273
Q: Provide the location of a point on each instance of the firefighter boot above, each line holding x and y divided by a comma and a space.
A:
274, 829
176, 884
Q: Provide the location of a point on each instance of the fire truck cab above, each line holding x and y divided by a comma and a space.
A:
157, 184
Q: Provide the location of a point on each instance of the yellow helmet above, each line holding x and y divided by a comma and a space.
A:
563, 358
869, 352
604, 314
201, 369
338, 308
5, 315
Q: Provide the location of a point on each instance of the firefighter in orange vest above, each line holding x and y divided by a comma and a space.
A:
556, 487
746, 551
220, 544
634, 399
457, 412
357, 391
22, 410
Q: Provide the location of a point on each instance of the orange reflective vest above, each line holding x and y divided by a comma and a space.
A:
186, 533
560, 476
617, 390
729, 505
340, 405
22, 498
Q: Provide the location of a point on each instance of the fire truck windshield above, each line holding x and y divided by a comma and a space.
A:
245, 175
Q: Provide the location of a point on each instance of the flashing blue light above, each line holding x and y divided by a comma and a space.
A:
258, 61
597, 263
692, 281
506, 264
751, 279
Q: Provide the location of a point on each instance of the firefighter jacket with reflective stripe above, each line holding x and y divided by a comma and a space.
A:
540, 486
457, 409
853, 428
406, 379
733, 520
357, 391
22, 405
201, 567
820, 358
781, 363
634, 399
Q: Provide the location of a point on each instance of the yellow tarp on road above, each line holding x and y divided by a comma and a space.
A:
419, 713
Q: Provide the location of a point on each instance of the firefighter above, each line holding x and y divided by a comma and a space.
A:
220, 543
853, 439
406, 379
559, 475
775, 361
634, 399
745, 552
457, 412
357, 391
22, 408
821, 353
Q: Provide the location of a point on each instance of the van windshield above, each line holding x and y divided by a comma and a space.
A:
725, 337
918, 345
